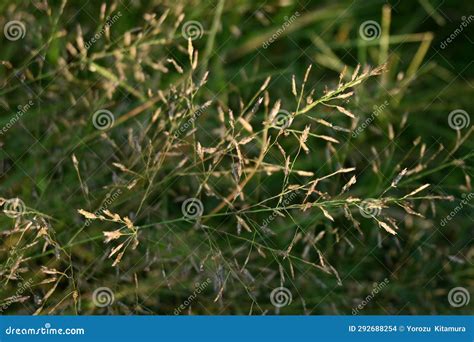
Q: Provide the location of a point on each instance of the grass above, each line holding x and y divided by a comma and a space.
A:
148, 148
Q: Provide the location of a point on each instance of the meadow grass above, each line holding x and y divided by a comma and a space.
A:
233, 157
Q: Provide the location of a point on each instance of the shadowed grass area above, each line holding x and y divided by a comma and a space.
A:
234, 157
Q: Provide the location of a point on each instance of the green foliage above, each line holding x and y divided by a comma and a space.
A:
281, 146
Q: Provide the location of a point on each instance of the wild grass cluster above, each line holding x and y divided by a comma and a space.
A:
167, 147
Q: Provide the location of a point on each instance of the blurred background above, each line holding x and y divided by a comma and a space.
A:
64, 61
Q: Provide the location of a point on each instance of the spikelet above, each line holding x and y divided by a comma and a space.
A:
421, 188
